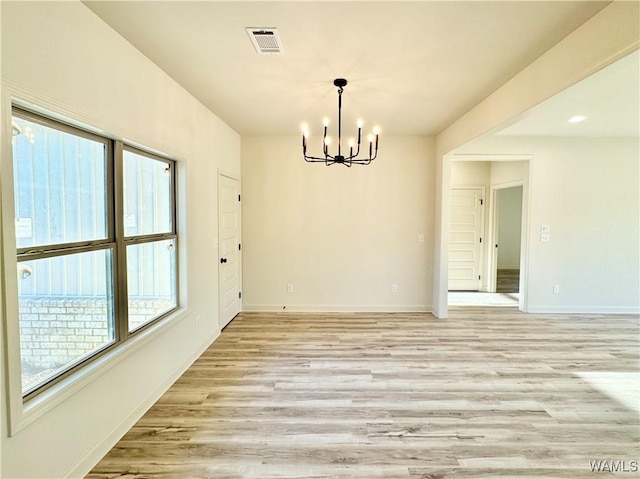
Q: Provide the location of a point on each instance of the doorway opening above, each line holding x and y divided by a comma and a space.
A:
507, 234
499, 246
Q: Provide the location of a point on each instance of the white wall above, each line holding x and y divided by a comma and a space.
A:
587, 190
509, 227
62, 58
342, 236
3, 396
471, 173
507, 172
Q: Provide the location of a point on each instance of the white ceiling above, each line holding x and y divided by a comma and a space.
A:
413, 67
609, 100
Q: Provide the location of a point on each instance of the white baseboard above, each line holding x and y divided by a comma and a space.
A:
327, 308
84, 465
584, 309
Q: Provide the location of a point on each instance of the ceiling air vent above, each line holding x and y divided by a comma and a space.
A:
265, 40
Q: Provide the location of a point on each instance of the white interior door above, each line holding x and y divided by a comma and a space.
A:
465, 238
230, 249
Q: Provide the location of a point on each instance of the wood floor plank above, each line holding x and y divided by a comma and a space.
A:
488, 393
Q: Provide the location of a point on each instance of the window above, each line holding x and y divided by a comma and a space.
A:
150, 237
96, 244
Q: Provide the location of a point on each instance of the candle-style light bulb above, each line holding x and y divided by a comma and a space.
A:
325, 147
360, 123
351, 143
325, 121
305, 135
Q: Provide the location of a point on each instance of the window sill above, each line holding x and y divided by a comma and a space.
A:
36, 407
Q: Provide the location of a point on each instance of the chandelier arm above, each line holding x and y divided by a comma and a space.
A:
350, 157
363, 161
366, 161
316, 159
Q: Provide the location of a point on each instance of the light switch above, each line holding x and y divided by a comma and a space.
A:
544, 229
544, 237
421, 238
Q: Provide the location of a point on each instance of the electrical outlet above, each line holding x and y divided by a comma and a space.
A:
394, 288
556, 288
421, 238
289, 288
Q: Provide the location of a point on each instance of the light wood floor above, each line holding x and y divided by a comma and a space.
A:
487, 393
507, 280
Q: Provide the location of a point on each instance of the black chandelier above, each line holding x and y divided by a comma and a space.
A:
351, 159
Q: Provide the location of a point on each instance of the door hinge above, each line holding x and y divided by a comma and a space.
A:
239, 198
239, 247
478, 276
481, 202
240, 295
480, 240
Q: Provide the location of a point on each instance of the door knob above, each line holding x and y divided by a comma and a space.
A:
223, 260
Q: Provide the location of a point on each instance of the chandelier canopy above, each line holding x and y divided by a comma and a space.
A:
343, 159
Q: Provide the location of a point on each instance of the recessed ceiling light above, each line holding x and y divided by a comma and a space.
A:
577, 119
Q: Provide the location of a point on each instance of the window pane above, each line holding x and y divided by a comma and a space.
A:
66, 312
151, 281
59, 186
147, 195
